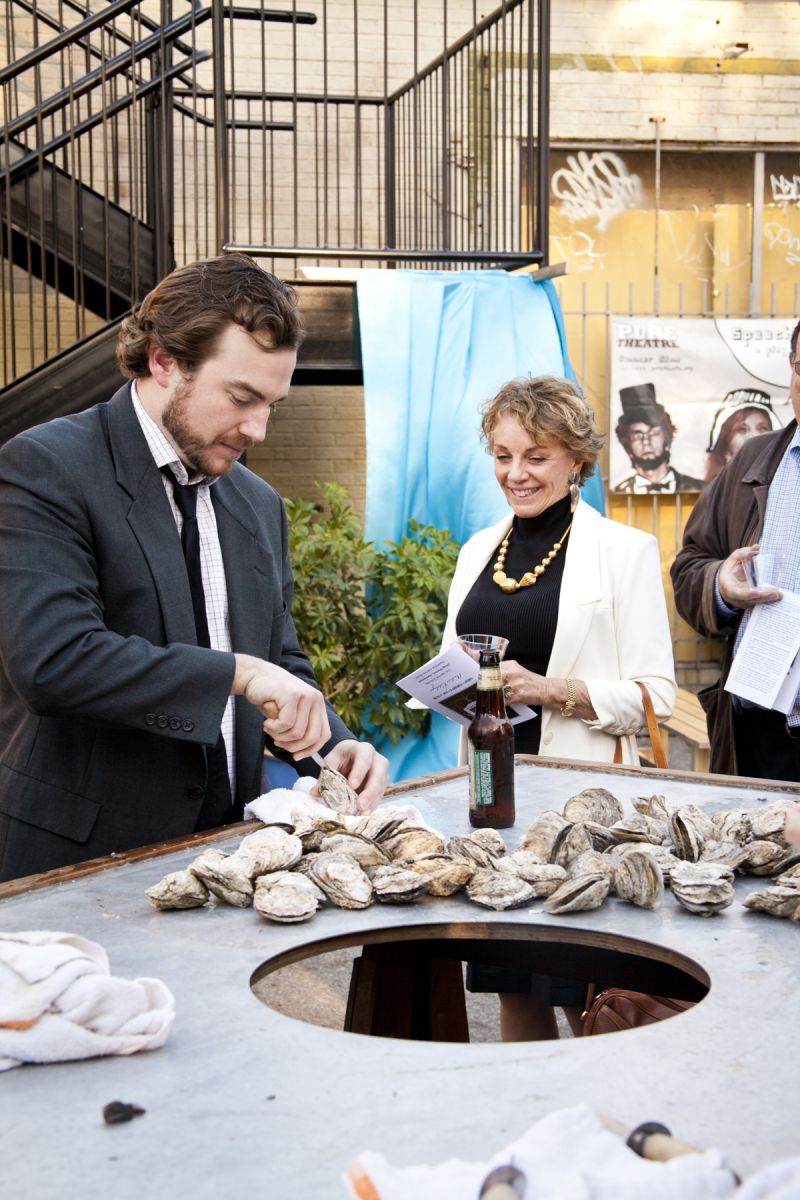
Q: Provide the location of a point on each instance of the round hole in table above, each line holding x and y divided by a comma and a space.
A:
406, 981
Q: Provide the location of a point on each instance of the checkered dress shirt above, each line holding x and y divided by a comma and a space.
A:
781, 533
214, 585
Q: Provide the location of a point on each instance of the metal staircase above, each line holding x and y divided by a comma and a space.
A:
135, 138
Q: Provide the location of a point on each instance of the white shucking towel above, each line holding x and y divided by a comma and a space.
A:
58, 1002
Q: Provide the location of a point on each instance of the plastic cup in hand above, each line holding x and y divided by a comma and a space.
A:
473, 643
770, 569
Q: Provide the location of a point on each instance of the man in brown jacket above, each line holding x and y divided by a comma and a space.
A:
755, 499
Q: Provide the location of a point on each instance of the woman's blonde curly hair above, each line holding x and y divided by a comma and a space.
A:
550, 409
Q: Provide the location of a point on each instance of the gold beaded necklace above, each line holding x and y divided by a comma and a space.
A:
530, 577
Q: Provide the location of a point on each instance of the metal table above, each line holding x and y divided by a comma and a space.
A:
243, 1097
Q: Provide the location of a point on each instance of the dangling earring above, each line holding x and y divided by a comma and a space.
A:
574, 490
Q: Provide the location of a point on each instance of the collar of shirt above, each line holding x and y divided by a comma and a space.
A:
161, 447
644, 486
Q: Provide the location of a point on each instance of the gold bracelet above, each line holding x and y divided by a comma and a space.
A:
568, 706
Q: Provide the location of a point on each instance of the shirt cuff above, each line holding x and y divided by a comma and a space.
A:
723, 610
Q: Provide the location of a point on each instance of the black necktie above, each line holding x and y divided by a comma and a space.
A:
217, 807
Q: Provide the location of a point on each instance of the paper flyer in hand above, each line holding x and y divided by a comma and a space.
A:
447, 684
766, 669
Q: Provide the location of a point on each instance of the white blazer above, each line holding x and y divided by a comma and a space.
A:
612, 629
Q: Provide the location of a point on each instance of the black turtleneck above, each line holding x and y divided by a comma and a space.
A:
526, 617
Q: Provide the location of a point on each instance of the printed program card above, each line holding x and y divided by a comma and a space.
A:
446, 684
766, 669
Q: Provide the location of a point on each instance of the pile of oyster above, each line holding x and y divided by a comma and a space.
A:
572, 860
696, 854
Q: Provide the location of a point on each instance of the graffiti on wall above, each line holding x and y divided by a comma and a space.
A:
578, 249
782, 237
785, 191
596, 187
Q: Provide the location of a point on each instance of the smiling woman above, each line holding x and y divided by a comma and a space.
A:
579, 599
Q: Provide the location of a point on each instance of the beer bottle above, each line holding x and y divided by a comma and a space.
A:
491, 751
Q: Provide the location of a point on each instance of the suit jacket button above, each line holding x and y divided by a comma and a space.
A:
175, 722
188, 726
195, 792
162, 722
150, 718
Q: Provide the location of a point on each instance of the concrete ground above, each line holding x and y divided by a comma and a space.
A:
316, 990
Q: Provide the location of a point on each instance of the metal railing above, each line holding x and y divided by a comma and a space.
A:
135, 137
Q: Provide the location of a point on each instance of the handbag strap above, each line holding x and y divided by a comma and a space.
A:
656, 740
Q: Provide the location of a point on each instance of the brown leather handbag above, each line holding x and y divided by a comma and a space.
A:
656, 740
615, 1009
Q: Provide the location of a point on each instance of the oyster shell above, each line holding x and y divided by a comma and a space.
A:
570, 842
762, 857
690, 829
377, 825
470, 849
640, 828
544, 878
394, 884
412, 841
499, 890
225, 876
520, 862
287, 897
664, 857
593, 804
702, 888
342, 880
581, 894
638, 879
312, 831
654, 806
269, 849
730, 854
179, 889
489, 840
790, 875
733, 825
335, 791
366, 852
778, 900
444, 875
769, 822
592, 862
541, 834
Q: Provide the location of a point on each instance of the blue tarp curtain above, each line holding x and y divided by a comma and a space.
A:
434, 346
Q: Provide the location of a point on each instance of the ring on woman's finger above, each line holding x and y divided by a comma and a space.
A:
508, 691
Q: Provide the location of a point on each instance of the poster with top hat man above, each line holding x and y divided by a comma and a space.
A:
646, 431
686, 394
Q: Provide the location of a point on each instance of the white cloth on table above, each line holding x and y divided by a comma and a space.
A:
59, 1002
567, 1155
277, 807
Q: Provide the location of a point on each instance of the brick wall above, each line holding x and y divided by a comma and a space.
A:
316, 435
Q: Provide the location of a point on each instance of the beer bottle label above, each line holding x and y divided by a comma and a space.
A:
489, 679
481, 781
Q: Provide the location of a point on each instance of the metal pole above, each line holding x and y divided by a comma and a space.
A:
543, 133
658, 122
390, 169
755, 234
221, 205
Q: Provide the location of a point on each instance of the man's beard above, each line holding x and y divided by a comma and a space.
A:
650, 464
175, 419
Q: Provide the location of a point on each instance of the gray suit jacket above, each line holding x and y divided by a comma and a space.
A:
106, 700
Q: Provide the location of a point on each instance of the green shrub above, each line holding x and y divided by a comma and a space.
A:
367, 617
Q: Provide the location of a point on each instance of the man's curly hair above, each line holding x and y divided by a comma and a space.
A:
187, 311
